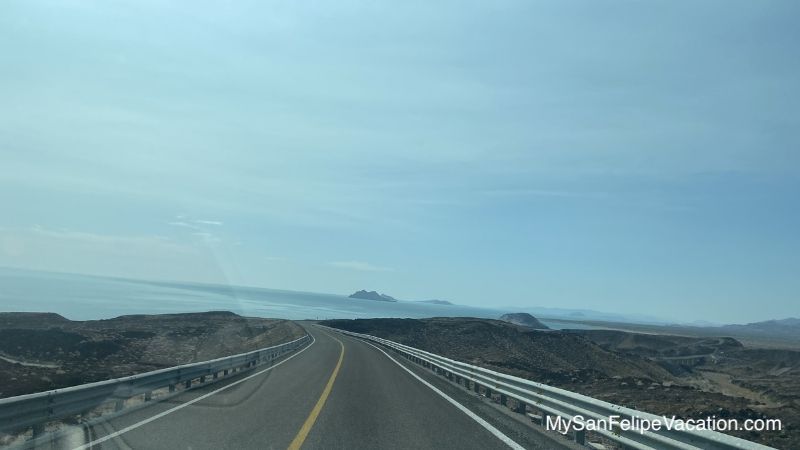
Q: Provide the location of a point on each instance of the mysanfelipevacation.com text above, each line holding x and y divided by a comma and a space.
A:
622, 423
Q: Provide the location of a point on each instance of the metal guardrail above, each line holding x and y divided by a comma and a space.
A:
566, 404
34, 410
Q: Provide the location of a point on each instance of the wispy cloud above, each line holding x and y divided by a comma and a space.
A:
208, 238
525, 192
182, 224
198, 228
359, 265
105, 239
183, 221
84, 251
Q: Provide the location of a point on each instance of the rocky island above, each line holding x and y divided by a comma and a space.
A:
372, 295
436, 302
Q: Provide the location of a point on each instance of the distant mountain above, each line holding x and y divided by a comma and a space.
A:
436, 302
783, 327
524, 320
585, 314
702, 323
372, 295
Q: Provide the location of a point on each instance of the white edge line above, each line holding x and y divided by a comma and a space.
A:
184, 405
497, 433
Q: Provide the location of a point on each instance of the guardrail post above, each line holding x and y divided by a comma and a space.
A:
216, 375
503, 400
487, 392
580, 437
187, 384
203, 379
225, 373
521, 408
476, 387
172, 388
148, 396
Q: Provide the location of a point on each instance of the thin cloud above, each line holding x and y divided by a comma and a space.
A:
106, 239
181, 224
198, 228
359, 265
524, 192
207, 237
194, 224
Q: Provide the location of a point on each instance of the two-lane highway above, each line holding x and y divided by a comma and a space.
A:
337, 393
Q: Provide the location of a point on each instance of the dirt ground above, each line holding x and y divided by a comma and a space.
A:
42, 351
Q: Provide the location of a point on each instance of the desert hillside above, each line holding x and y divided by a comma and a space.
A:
42, 351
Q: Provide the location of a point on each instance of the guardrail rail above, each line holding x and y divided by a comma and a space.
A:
20, 413
552, 401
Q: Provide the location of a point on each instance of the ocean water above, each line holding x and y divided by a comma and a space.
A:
81, 297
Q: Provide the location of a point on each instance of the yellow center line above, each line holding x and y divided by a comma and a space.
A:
306, 428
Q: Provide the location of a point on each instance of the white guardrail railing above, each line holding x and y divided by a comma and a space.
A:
552, 401
35, 410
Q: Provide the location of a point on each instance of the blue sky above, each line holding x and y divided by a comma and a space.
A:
623, 156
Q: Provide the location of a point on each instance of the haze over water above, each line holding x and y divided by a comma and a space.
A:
81, 297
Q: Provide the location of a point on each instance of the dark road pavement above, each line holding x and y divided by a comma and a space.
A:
338, 393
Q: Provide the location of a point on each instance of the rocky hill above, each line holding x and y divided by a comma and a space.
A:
546, 356
42, 351
659, 345
524, 320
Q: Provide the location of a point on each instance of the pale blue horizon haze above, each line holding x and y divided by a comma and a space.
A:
628, 157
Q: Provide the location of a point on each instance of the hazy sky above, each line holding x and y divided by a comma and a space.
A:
621, 156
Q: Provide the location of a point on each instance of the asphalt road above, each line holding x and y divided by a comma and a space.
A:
338, 393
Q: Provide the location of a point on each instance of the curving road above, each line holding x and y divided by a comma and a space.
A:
338, 393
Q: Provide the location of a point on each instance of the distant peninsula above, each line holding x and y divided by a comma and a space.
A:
436, 302
524, 320
372, 295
